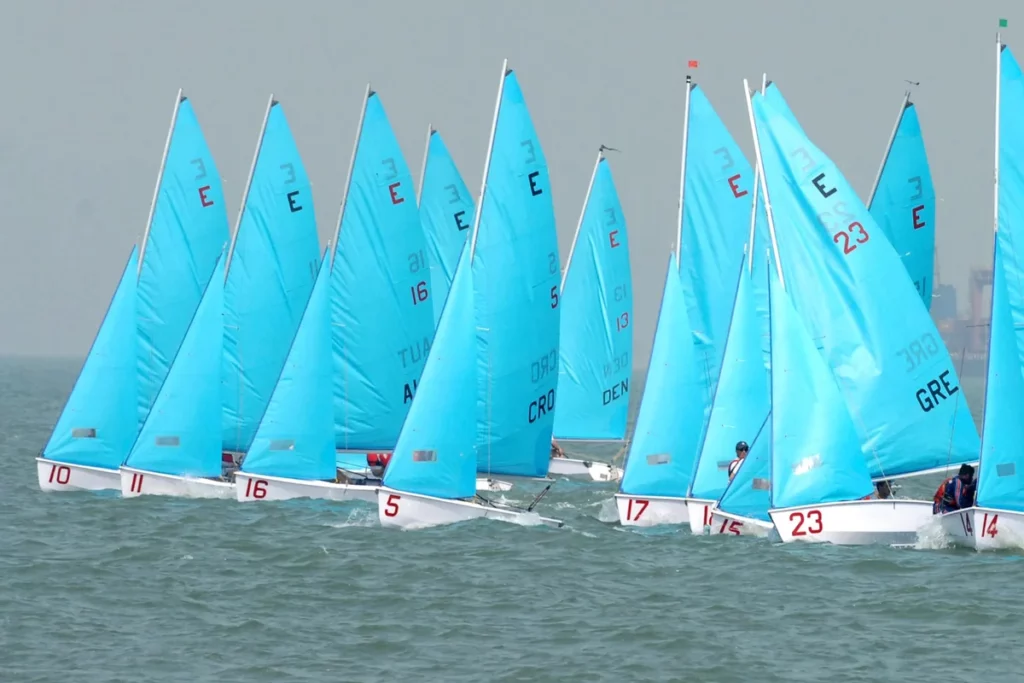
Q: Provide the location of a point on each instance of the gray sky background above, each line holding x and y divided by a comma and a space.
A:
89, 86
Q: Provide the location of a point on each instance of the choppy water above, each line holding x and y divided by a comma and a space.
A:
95, 588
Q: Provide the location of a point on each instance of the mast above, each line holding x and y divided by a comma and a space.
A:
764, 183
586, 202
995, 233
271, 103
159, 179
682, 174
423, 171
351, 167
888, 147
753, 209
505, 71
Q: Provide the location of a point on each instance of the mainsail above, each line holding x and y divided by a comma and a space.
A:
596, 340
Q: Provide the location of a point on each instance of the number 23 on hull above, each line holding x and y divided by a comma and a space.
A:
860, 522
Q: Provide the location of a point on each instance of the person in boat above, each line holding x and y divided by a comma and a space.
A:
953, 493
883, 489
741, 453
378, 462
556, 450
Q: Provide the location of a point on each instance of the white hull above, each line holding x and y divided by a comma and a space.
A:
142, 483
651, 510
60, 476
707, 520
249, 487
492, 485
860, 522
415, 511
583, 469
984, 528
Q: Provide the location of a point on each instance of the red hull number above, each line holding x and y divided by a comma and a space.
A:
814, 523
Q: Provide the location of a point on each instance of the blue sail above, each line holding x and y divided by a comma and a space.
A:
596, 339
816, 456
182, 433
717, 196
903, 204
271, 267
435, 453
516, 278
184, 239
670, 422
99, 422
749, 493
742, 400
861, 308
295, 438
1001, 471
381, 298
446, 212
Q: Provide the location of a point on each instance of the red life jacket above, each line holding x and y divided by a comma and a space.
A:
941, 492
378, 459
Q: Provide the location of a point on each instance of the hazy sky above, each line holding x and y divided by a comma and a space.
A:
89, 86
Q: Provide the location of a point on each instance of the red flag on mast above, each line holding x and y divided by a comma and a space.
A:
693, 63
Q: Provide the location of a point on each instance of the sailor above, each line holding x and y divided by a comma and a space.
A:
741, 452
956, 492
556, 450
883, 489
377, 463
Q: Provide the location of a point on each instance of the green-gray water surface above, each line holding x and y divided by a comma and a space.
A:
96, 589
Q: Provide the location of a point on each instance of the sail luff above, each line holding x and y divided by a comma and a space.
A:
159, 179
248, 184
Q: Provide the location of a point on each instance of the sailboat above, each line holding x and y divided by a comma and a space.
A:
595, 356
178, 449
480, 406
147, 316
902, 199
996, 520
693, 323
270, 269
854, 298
292, 455
446, 212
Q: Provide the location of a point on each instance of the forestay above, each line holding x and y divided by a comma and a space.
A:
295, 438
435, 453
861, 308
816, 456
670, 422
446, 212
271, 267
381, 294
1001, 471
184, 237
182, 434
514, 255
596, 339
99, 422
903, 201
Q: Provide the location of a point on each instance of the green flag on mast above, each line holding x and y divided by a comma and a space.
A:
1002, 23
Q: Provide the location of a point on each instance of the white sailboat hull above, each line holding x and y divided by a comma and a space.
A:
707, 520
143, 483
414, 511
651, 510
250, 487
984, 528
492, 485
726, 524
583, 469
60, 476
859, 522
